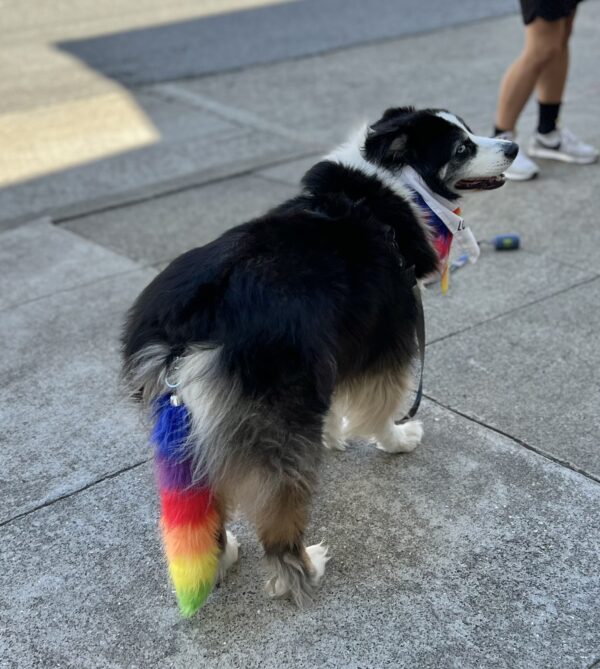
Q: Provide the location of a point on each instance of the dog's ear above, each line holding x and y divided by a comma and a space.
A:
396, 113
387, 139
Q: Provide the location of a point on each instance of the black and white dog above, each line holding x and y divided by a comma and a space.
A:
297, 329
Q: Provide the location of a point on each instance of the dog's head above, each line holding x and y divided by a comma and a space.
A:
441, 148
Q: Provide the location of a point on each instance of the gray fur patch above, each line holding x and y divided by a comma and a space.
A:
290, 578
232, 437
146, 371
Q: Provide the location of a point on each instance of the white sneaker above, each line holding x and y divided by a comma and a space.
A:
561, 144
522, 168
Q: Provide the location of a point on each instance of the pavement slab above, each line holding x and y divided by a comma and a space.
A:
183, 144
497, 284
64, 424
39, 259
162, 228
532, 373
470, 552
64, 421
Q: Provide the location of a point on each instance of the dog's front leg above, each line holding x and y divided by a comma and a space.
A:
333, 430
402, 438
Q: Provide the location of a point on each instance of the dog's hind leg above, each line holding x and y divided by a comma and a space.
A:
281, 522
228, 544
229, 553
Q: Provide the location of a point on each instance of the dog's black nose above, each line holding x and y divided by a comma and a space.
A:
511, 149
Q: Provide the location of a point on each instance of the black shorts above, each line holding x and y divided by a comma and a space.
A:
549, 10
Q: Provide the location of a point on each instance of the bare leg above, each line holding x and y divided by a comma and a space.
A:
552, 80
543, 42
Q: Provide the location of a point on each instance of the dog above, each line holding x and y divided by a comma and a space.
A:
291, 332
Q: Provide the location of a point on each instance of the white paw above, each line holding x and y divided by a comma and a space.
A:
229, 556
333, 444
277, 587
402, 438
319, 558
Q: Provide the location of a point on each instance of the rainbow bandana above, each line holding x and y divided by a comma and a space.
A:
445, 221
189, 520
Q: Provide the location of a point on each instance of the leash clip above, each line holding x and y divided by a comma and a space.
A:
174, 398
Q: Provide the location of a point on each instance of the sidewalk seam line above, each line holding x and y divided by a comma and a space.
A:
238, 116
248, 171
583, 282
87, 486
274, 180
98, 280
562, 463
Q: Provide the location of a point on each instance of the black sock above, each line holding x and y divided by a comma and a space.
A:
498, 131
548, 115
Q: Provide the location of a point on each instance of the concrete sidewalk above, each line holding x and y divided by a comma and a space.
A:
480, 549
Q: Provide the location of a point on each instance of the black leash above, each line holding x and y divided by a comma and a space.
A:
416, 291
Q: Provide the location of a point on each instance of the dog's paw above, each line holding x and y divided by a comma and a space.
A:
319, 558
277, 587
296, 577
333, 443
402, 438
229, 556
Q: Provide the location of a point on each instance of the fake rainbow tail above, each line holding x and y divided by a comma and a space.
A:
190, 522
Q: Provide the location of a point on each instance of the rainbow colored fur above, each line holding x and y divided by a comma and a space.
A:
190, 522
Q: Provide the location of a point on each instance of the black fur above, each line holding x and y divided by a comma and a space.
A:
314, 292
310, 294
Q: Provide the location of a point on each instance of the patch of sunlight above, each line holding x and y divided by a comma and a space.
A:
44, 140
55, 112
57, 21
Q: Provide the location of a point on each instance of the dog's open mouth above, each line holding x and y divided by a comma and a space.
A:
483, 183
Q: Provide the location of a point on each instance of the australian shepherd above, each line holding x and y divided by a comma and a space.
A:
291, 332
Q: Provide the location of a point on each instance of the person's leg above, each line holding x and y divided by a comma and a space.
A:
543, 42
551, 83
552, 79
550, 141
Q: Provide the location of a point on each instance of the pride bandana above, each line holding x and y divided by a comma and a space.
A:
445, 221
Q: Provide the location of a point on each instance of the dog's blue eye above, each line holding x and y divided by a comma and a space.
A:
461, 149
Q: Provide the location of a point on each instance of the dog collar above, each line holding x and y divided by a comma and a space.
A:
444, 220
